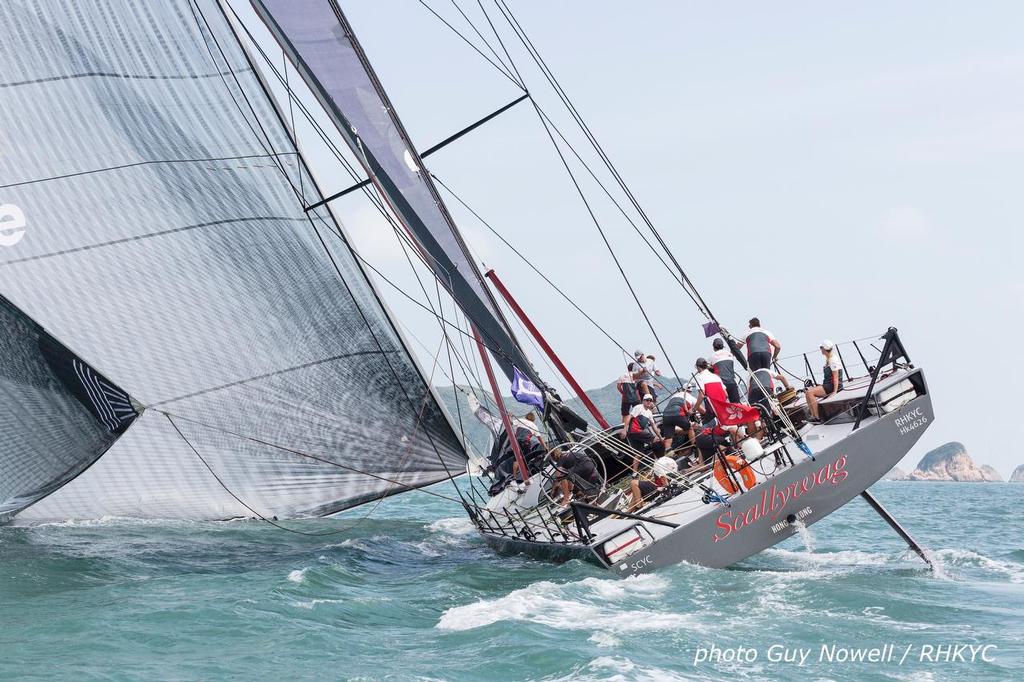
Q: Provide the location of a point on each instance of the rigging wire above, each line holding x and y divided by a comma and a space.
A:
526, 260
553, 81
501, 69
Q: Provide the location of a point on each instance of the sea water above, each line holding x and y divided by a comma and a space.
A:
410, 592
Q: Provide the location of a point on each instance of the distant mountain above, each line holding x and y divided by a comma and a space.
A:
950, 462
1018, 475
896, 474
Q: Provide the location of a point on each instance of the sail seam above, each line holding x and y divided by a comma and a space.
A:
105, 74
145, 163
286, 370
140, 237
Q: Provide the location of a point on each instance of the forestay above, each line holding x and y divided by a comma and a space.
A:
165, 240
320, 43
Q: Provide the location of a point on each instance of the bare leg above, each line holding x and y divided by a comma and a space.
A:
634, 491
812, 394
566, 492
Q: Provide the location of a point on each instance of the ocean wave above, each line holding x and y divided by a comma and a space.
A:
965, 558
589, 604
298, 575
459, 525
619, 669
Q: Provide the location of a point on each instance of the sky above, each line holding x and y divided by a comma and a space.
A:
832, 169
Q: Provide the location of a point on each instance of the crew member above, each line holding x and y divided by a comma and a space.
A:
628, 392
724, 366
644, 373
711, 388
643, 488
711, 440
762, 346
675, 422
762, 387
831, 384
575, 470
641, 431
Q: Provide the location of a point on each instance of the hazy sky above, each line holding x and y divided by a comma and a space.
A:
833, 169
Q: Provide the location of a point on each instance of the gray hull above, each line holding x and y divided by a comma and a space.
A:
762, 516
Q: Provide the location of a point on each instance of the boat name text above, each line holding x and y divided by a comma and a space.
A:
773, 501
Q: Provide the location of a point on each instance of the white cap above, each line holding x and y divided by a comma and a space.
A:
648, 396
664, 466
638, 354
827, 345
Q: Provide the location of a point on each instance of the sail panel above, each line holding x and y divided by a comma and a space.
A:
57, 413
320, 43
165, 240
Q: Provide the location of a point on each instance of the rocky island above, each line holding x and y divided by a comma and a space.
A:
950, 462
1018, 475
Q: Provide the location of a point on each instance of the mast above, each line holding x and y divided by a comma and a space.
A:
320, 43
584, 398
500, 402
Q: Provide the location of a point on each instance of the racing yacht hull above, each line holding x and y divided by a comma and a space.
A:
845, 463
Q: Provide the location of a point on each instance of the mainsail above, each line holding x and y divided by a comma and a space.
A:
57, 413
166, 240
320, 43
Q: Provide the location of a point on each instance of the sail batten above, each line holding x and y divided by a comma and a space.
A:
166, 241
320, 43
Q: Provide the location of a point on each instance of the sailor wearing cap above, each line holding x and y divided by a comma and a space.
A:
641, 431
643, 370
832, 381
723, 364
643, 489
711, 388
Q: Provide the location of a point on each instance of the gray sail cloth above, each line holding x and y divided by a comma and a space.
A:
320, 43
164, 241
57, 414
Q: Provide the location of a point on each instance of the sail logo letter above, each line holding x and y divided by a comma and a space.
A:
12, 224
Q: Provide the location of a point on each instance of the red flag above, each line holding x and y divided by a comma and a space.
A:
733, 414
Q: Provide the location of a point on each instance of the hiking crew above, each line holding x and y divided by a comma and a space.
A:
644, 372
724, 365
832, 381
762, 346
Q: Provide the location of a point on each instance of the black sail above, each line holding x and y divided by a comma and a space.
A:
165, 239
57, 413
320, 43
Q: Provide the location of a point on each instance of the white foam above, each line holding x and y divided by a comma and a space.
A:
459, 525
298, 576
969, 559
604, 639
589, 604
311, 604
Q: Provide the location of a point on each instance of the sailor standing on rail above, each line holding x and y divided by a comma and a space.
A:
711, 388
724, 366
762, 346
628, 392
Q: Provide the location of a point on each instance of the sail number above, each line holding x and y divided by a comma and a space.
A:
12, 224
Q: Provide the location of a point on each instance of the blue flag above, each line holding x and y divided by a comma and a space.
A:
525, 391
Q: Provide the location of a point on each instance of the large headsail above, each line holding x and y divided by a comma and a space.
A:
166, 241
57, 414
320, 43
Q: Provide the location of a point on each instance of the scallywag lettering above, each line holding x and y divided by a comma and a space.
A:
773, 501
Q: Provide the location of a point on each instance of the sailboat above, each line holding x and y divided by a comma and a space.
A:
271, 379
